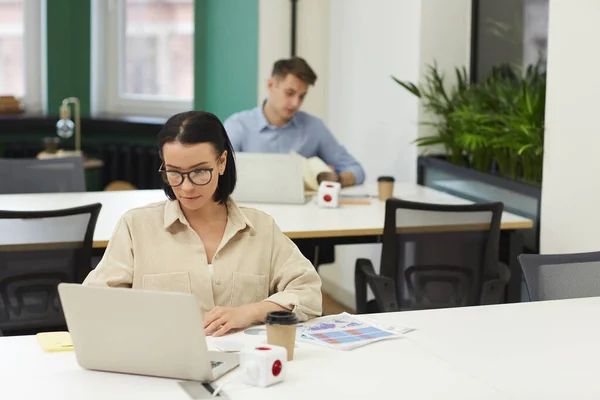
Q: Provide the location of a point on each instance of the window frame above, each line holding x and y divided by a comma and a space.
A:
107, 50
34, 56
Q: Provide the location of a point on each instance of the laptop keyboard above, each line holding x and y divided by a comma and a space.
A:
215, 364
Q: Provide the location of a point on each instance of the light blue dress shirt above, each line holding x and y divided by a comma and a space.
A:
249, 131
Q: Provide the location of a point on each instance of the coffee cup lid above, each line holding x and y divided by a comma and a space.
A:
281, 318
385, 179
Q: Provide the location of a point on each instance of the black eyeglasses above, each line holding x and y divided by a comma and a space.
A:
198, 177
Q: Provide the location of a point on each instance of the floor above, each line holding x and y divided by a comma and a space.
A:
330, 306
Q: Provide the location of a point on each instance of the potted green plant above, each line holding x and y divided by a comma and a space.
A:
495, 126
492, 136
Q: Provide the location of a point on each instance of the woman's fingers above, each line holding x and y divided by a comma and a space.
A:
213, 315
214, 325
222, 330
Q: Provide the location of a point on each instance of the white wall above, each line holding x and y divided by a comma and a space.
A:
571, 186
312, 45
369, 113
274, 43
446, 40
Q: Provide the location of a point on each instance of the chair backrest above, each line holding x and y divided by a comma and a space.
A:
439, 254
30, 175
561, 276
38, 250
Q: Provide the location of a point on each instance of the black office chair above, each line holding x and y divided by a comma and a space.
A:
561, 276
435, 256
38, 250
30, 175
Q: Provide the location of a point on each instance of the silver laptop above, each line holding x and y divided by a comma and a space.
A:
269, 178
141, 332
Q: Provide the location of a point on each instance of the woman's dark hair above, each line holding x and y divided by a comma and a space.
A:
192, 127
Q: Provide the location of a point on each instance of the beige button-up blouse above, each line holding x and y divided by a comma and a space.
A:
154, 248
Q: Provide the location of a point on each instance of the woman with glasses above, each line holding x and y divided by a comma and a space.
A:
235, 260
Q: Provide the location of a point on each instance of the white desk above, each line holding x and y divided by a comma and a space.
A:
544, 350
539, 350
316, 373
307, 221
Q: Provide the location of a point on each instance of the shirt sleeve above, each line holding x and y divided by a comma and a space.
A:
336, 155
295, 283
235, 131
116, 267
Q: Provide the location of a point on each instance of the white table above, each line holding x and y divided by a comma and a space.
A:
538, 350
543, 350
306, 221
316, 373
303, 223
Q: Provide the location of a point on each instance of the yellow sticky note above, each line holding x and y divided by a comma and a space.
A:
55, 341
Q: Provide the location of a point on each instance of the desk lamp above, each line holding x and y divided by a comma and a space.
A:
64, 126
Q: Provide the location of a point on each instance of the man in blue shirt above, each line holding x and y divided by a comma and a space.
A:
277, 126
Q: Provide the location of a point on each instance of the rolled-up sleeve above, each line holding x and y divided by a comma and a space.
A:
295, 283
116, 267
336, 155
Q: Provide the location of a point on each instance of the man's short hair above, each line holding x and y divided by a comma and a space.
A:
296, 66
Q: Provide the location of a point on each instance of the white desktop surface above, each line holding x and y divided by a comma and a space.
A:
543, 350
386, 369
296, 221
537, 350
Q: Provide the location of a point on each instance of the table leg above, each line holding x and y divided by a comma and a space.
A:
515, 249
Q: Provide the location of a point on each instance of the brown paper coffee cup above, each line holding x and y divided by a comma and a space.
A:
386, 187
281, 330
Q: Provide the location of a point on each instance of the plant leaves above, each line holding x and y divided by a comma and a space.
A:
499, 120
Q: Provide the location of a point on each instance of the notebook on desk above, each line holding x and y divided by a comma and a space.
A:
55, 341
140, 332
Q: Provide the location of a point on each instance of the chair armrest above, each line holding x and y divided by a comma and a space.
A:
383, 288
492, 291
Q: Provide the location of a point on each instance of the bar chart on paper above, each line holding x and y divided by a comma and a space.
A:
343, 331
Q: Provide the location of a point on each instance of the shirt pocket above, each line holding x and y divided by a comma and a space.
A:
248, 288
167, 282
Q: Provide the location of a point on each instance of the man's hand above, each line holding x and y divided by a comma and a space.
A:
221, 320
346, 178
328, 176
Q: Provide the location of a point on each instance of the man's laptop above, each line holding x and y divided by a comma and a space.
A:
141, 332
270, 178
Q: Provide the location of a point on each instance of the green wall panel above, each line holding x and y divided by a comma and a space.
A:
68, 35
226, 56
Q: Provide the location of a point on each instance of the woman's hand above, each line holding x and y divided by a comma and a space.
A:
221, 320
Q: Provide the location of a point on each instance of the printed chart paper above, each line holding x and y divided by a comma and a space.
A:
345, 332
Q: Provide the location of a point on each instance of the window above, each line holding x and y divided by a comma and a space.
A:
20, 52
144, 56
508, 32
